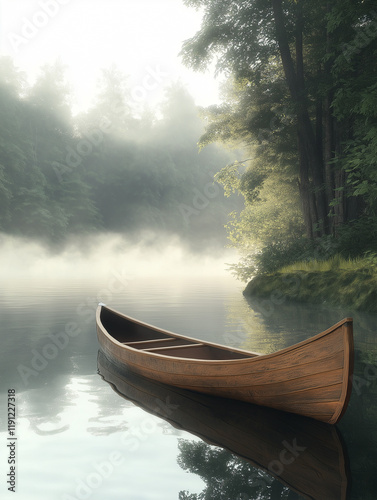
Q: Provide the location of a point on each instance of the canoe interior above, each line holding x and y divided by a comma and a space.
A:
150, 339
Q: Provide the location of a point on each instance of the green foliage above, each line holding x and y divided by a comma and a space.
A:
361, 165
266, 180
282, 253
285, 194
256, 114
219, 31
229, 177
356, 242
358, 237
272, 213
366, 264
355, 289
246, 268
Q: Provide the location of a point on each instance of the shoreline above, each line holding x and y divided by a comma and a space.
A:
342, 288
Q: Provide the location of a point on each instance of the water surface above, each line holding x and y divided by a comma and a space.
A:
77, 438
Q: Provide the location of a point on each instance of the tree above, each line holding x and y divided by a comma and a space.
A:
51, 95
112, 106
308, 43
268, 178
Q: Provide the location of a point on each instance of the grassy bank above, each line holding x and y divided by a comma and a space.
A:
337, 282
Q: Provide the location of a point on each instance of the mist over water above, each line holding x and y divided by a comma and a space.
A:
96, 257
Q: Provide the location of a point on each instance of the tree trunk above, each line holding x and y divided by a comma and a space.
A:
306, 195
311, 161
339, 181
328, 123
328, 155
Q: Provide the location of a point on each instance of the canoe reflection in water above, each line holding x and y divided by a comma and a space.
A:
303, 454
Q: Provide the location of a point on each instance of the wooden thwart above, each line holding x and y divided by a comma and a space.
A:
172, 349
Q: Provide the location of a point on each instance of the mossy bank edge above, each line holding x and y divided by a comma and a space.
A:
342, 288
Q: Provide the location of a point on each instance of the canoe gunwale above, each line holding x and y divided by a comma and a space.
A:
251, 355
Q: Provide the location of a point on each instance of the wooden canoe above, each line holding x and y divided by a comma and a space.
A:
312, 378
255, 434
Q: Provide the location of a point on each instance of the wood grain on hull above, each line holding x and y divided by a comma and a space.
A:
311, 378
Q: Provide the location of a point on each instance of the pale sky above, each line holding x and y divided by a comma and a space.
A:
142, 37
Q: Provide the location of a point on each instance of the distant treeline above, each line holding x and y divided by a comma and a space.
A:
112, 168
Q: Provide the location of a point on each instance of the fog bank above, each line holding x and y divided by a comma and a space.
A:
99, 256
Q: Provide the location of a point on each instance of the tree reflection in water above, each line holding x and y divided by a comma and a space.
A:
226, 476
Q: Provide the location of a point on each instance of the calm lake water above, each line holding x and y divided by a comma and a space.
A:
78, 438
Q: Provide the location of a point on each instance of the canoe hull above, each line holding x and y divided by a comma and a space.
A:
312, 378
